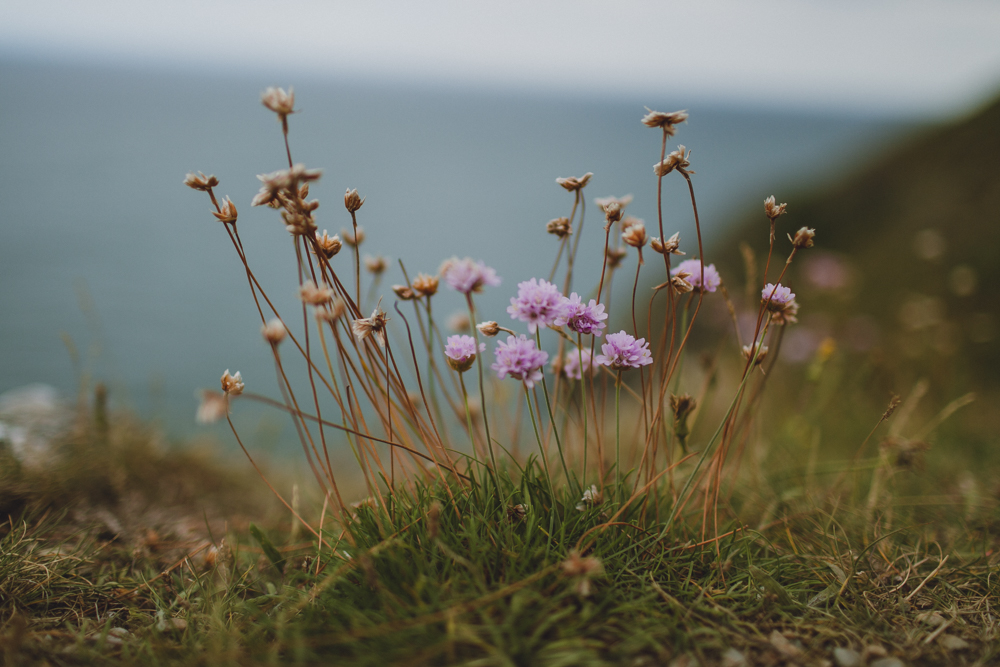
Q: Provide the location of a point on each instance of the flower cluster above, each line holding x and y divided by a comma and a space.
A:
520, 359
692, 267
780, 302
538, 302
468, 276
622, 351
576, 363
461, 352
580, 317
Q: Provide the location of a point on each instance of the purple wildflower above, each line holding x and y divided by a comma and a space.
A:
576, 363
538, 303
782, 304
461, 352
580, 317
519, 359
623, 351
467, 276
693, 266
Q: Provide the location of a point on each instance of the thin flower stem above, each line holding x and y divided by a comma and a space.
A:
552, 418
482, 390
468, 413
618, 434
583, 385
357, 257
538, 439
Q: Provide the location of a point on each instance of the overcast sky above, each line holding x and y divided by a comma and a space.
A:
911, 56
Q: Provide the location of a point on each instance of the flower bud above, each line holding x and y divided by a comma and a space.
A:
425, 285
232, 384
635, 235
200, 181
274, 332
328, 245
772, 210
559, 226
803, 238
352, 201
489, 328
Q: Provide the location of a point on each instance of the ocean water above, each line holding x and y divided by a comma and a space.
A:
112, 270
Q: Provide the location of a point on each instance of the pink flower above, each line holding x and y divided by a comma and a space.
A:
693, 267
623, 351
467, 276
538, 302
461, 352
572, 366
582, 318
519, 359
776, 296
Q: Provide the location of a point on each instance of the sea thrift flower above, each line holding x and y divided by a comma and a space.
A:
425, 285
538, 302
404, 292
612, 213
680, 282
232, 384
278, 101
353, 239
559, 226
200, 181
461, 352
591, 497
520, 359
666, 120
226, 212
489, 328
328, 245
803, 238
213, 407
313, 295
621, 201
467, 276
460, 322
576, 363
353, 201
748, 352
772, 210
678, 159
635, 235
670, 246
623, 351
580, 317
781, 303
331, 313
573, 184
693, 267
367, 326
615, 257
274, 331
375, 264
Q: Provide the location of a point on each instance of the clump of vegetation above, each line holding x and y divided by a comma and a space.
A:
663, 513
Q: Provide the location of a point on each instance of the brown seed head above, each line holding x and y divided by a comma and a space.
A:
772, 210
425, 285
784, 313
894, 402
635, 235
615, 257
404, 292
671, 246
365, 327
680, 283
377, 264
666, 120
350, 239
200, 181
623, 202
612, 213
748, 352
516, 513
232, 384
274, 331
489, 328
678, 159
278, 101
328, 245
332, 312
559, 226
352, 200
572, 183
313, 295
226, 212
803, 238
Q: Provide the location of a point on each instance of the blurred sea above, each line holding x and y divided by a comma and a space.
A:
105, 256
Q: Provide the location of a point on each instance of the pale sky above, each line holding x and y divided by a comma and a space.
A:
913, 56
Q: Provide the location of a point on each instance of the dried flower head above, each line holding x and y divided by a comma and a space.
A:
780, 302
517, 513
667, 120
573, 183
460, 322
772, 210
226, 212
622, 202
580, 317
520, 359
615, 257
328, 245
678, 159
425, 285
622, 351
635, 235
355, 238
711, 281
559, 226
460, 352
612, 213
679, 283
489, 328
332, 312
803, 238
352, 200
313, 295
376, 265
670, 246
200, 181
405, 292
538, 302
591, 498
232, 384
213, 407
274, 331
582, 569
468, 276
278, 101
748, 352
374, 325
